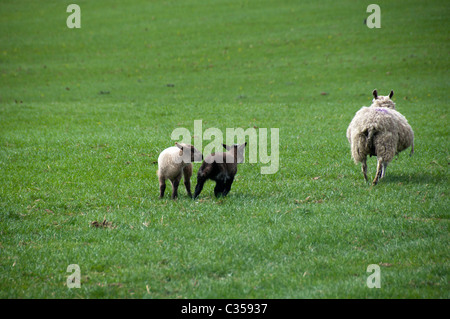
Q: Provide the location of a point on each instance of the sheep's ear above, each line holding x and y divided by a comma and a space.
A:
242, 146
391, 94
180, 147
375, 93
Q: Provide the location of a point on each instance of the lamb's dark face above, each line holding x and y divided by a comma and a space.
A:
189, 153
383, 101
196, 155
237, 150
240, 149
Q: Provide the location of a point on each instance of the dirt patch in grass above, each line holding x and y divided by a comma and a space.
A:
103, 224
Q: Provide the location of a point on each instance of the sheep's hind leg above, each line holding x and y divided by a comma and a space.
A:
364, 168
228, 184
379, 174
187, 172
219, 189
175, 184
162, 187
384, 169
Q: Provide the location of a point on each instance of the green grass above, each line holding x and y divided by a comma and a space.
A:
85, 112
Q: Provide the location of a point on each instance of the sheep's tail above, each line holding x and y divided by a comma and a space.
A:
412, 149
362, 145
370, 135
359, 143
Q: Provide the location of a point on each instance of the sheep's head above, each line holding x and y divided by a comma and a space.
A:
189, 153
237, 151
383, 101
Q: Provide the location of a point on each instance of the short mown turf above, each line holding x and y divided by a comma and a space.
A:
84, 114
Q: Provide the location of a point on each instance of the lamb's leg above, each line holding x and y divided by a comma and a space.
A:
162, 186
198, 188
175, 184
364, 168
187, 172
228, 184
379, 172
219, 189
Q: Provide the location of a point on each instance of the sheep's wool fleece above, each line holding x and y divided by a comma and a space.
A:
170, 163
390, 128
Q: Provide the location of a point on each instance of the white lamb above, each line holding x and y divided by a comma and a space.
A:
381, 131
173, 163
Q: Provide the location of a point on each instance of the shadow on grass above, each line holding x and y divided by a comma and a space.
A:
415, 178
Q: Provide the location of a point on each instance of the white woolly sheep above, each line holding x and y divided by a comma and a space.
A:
174, 162
381, 131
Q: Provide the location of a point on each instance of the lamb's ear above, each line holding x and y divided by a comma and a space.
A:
226, 147
375, 93
240, 148
180, 147
391, 94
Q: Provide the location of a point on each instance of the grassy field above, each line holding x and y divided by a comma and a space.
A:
84, 114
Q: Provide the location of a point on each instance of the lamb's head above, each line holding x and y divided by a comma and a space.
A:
237, 151
189, 153
383, 101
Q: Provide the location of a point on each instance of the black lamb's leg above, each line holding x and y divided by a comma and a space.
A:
227, 187
198, 188
219, 189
